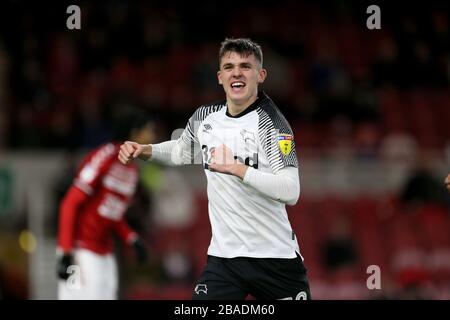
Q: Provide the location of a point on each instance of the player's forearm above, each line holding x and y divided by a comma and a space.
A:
173, 152
283, 186
239, 170
66, 228
147, 152
125, 233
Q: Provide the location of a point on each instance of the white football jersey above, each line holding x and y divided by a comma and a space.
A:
245, 223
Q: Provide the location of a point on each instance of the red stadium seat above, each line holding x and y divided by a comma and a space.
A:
434, 223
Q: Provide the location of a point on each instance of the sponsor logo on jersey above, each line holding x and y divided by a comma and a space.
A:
285, 143
249, 161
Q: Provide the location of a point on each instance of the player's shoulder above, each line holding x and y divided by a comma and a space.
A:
206, 109
271, 116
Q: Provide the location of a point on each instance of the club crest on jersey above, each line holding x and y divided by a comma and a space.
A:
207, 128
248, 136
285, 143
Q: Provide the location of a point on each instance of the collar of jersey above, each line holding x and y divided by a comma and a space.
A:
261, 96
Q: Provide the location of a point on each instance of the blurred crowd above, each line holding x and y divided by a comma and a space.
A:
339, 83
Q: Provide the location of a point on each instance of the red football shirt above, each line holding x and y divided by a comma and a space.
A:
93, 209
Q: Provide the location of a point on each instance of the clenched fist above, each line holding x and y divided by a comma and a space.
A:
447, 182
130, 150
223, 161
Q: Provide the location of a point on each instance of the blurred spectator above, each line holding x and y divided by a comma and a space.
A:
447, 182
14, 282
399, 147
366, 141
4, 72
340, 137
3, 128
62, 67
413, 284
385, 68
175, 207
422, 187
12, 285
93, 128
279, 69
339, 249
177, 267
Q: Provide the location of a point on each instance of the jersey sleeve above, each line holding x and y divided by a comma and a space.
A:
185, 150
284, 186
189, 135
277, 139
181, 151
123, 230
94, 167
68, 211
189, 139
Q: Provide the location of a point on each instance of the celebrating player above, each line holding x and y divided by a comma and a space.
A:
251, 166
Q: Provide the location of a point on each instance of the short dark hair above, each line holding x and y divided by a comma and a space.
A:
129, 119
243, 46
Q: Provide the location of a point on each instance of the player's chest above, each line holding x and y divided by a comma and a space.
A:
238, 134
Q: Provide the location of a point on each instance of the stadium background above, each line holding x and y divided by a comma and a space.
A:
370, 110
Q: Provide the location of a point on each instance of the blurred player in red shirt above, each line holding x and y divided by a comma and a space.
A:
92, 212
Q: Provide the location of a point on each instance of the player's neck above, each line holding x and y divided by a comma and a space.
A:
235, 109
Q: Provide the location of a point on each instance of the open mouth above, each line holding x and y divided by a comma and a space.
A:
237, 86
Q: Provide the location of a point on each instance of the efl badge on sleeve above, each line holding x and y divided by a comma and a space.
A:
285, 143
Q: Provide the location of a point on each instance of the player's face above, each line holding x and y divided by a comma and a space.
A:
240, 77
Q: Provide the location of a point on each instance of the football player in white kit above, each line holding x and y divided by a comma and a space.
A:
251, 167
